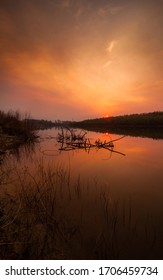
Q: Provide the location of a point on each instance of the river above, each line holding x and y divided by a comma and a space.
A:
124, 185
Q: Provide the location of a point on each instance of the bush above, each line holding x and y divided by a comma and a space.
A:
13, 124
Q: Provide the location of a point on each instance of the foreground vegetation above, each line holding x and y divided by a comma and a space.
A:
49, 215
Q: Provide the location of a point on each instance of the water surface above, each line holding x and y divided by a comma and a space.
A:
131, 183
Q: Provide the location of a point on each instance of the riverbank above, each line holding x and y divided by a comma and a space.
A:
14, 131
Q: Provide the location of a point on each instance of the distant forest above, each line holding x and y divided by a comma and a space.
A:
145, 125
135, 120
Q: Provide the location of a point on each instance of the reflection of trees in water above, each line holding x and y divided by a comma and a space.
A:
136, 131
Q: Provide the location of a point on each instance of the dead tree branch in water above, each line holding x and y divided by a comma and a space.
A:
71, 141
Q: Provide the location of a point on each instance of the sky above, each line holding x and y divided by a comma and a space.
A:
80, 59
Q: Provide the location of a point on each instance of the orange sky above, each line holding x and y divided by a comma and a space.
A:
77, 59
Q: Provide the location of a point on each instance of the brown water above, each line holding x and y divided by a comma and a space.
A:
134, 181
139, 172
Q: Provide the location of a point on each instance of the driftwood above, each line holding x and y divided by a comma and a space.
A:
71, 141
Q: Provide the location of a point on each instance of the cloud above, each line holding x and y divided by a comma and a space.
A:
110, 9
67, 53
111, 46
109, 49
108, 63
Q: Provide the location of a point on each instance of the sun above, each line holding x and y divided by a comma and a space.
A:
106, 116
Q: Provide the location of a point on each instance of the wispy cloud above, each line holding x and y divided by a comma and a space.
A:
108, 63
114, 10
110, 9
111, 45
109, 49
